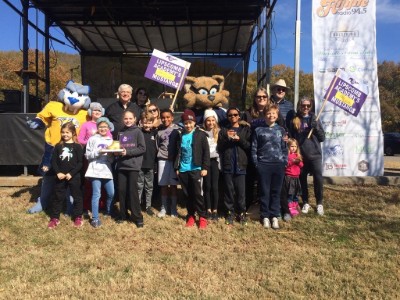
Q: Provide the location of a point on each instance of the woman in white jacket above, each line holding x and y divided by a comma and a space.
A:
99, 171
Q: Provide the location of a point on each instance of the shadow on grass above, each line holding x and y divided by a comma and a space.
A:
33, 191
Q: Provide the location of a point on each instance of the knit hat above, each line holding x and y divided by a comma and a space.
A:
210, 113
96, 106
105, 120
188, 115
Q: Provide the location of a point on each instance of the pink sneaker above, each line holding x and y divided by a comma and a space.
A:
202, 223
292, 209
78, 222
190, 221
53, 223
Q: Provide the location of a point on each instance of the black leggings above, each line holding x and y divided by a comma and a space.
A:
315, 168
210, 187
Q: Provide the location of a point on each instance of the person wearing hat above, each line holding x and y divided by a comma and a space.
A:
89, 128
279, 90
191, 164
210, 186
99, 171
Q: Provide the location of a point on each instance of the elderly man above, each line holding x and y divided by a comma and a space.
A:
115, 110
279, 90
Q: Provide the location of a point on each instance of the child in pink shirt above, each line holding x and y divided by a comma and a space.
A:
291, 183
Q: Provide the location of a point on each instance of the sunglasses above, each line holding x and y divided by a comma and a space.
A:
153, 110
281, 89
261, 97
233, 115
306, 105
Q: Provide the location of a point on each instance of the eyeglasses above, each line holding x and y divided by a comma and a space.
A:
262, 97
103, 127
306, 105
281, 89
153, 110
233, 115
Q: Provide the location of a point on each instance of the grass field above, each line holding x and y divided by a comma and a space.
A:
350, 253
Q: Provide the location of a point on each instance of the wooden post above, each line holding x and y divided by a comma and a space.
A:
177, 90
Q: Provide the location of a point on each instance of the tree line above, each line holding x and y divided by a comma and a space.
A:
67, 66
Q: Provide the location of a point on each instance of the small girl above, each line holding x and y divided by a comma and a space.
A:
66, 163
166, 152
210, 187
291, 183
129, 163
99, 169
192, 163
269, 153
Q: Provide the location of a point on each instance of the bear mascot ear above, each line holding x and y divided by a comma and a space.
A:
206, 92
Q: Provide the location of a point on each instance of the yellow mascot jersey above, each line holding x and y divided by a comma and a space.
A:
54, 116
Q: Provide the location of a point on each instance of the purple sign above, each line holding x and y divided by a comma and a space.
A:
344, 94
167, 69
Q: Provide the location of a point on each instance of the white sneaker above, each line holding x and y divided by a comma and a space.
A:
162, 213
266, 223
306, 208
275, 224
320, 210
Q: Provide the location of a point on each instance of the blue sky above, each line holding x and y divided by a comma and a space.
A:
282, 41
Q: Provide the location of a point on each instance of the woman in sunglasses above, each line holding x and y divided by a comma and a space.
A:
155, 112
300, 127
233, 146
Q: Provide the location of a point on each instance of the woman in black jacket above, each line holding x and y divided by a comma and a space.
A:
300, 127
233, 147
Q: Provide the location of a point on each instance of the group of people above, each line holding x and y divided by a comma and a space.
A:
269, 143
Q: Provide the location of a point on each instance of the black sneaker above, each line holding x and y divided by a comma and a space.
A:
149, 211
139, 224
243, 219
214, 216
120, 221
229, 219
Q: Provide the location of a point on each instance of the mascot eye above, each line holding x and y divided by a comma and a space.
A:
80, 95
203, 92
213, 91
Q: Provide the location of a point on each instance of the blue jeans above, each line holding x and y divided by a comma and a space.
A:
270, 181
96, 193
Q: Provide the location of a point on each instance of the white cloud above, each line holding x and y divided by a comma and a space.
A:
388, 11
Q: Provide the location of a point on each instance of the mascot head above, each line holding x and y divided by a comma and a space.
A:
75, 96
205, 92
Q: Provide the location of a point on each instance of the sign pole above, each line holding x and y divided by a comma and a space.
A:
326, 99
177, 90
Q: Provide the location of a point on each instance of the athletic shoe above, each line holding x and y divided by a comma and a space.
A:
95, 223
243, 219
78, 222
139, 224
229, 219
214, 216
306, 208
149, 211
266, 223
202, 223
275, 223
287, 217
292, 209
190, 221
320, 210
53, 223
162, 213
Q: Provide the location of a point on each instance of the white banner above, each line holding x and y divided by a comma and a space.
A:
344, 37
